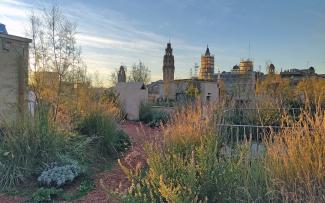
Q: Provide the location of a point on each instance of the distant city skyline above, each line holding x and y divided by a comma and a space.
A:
290, 34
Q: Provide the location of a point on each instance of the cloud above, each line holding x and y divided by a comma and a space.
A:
109, 38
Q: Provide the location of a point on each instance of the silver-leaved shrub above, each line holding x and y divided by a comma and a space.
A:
59, 175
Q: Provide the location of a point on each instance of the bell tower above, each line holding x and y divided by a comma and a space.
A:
121, 77
168, 64
168, 68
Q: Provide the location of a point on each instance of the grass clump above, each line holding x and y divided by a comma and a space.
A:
46, 194
191, 166
25, 147
295, 159
109, 139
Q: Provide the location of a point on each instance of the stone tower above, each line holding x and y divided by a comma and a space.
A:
168, 64
271, 69
207, 66
121, 75
168, 68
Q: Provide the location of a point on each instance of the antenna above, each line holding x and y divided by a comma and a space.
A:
249, 49
196, 67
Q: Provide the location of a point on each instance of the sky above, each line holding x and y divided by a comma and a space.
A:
290, 34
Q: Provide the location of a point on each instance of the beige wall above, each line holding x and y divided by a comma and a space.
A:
13, 77
209, 89
131, 96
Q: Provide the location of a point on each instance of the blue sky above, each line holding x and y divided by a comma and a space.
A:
290, 34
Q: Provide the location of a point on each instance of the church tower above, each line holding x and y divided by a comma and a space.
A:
121, 77
168, 68
207, 66
168, 64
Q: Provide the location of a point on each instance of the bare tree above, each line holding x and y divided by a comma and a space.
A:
140, 73
55, 49
113, 77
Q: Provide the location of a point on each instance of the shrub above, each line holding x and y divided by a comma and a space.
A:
151, 117
26, 145
59, 175
110, 138
145, 113
45, 194
158, 118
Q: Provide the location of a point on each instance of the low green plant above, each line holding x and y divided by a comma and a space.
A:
109, 138
158, 118
85, 186
145, 113
46, 194
59, 175
151, 117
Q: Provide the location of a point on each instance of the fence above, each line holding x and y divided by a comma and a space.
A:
242, 125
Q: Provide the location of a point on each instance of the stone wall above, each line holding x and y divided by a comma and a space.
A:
13, 77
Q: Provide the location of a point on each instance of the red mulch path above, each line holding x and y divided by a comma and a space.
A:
115, 178
7, 199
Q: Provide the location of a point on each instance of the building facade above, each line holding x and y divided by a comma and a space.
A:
14, 76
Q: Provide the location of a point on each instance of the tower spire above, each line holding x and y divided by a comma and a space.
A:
207, 52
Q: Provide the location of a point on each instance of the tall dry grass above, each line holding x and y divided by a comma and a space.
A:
188, 124
190, 165
295, 159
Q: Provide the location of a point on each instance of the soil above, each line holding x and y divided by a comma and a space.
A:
115, 180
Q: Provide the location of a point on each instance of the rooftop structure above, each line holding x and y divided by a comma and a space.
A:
298, 72
3, 29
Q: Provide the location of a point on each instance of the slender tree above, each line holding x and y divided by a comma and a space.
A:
55, 49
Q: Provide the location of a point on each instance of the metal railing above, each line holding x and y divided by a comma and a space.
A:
233, 133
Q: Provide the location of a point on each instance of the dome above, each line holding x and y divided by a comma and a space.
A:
236, 67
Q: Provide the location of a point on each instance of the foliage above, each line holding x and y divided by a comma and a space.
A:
85, 186
295, 158
145, 113
192, 91
54, 51
110, 139
139, 73
192, 166
45, 194
158, 118
59, 175
277, 90
313, 91
26, 145
151, 117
